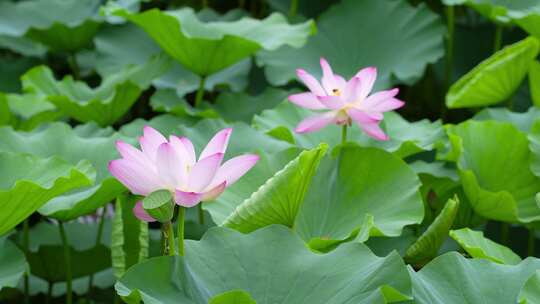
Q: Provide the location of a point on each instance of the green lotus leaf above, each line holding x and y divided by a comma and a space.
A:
267, 167
28, 182
451, 278
496, 78
104, 104
279, 199
31, 110
111, 57
46, 251
22, 45
359, 185
500, 11
256, 263
345, 38
478, 246
428, 244
405, 138
241, 106
13, 264
440, 182
168, 101
530, 293
232, 297
523, 121
129, 240
60, 25
5, 114
206, 48
73, 146
498, 185
534, 80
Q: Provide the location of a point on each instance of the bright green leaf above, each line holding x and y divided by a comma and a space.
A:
206, 48
428, 244
129, 240
498, 185
104, 104
496, 78
534, 82
359, 185
451, 278
28, 182
232, 297
61, 140
260, 264
478, 246
278, 200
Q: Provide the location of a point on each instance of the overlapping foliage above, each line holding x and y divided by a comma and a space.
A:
445, 211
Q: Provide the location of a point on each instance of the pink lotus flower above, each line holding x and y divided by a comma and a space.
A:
172, 165
345, 101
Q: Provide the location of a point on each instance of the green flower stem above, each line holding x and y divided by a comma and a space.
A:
201, 213
450, 20
497, 42
98, 241
74, 66
344, 134
293, 8
67, 260
26, 247
167, 235
49, 292
531, 242
180, 229
200, 92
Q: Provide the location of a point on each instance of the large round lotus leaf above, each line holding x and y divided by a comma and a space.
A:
405, 138
61, 25
498, 185
451, 278
61, 140
206, 48
359, 185
12, 264
478, 246
272, 265
111, 57
28, 182
400, 49
496, 78
104, 104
